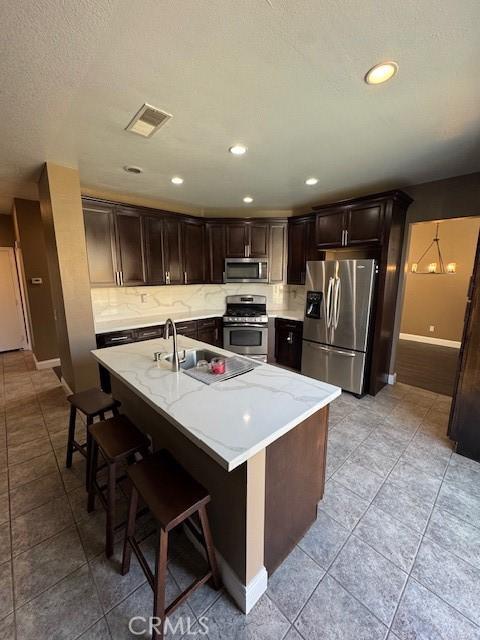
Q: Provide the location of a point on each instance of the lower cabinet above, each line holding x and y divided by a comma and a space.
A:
288, 343
210, 331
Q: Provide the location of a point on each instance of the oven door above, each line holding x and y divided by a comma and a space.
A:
246, 339
246, 270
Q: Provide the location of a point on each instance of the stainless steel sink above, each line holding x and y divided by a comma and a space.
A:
189, 359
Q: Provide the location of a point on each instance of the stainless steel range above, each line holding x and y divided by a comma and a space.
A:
245, 326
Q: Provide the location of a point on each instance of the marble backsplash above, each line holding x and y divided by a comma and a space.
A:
134, 302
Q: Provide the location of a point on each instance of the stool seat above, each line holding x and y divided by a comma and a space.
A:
171, 494
118, 438
93, 401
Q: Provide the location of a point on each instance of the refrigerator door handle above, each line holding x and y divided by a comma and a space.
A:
329, 302
336, 303
348, 354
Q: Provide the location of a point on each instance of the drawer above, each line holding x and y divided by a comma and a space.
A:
207, 323
115, 338
149, 333
188, 329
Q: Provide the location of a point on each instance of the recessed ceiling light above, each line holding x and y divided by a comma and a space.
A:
131, 169
248, 199
238, 149
381, 72
311, 181
177, 180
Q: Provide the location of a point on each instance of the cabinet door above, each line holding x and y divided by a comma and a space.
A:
365, 224
257, 241
153, 227
100, 240
288, 343
329, 229
130, 249
216, 252
188, 329
172, 250
194, 252
278, 244
297, 250
236, 240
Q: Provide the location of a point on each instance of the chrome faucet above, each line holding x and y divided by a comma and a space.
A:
166, 334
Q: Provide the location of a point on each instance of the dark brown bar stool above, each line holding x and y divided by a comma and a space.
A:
118, 441
172, 496
92, 403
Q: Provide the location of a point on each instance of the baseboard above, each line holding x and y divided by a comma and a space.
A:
438, 341
46, 364
245, 596
65, 386
392, 378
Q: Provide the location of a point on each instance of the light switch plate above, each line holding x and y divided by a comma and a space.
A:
36, 281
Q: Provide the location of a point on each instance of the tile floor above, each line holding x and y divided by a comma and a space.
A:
395, 552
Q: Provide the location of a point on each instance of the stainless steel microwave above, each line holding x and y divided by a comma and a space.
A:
246, 270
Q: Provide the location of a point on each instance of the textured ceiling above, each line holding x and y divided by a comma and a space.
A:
283, 76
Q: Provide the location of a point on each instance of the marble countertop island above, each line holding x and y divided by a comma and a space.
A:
231, 421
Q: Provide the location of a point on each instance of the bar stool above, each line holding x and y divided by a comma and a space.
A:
118, 441
92, 403
172, 496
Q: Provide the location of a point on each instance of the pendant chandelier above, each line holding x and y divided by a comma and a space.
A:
438, 265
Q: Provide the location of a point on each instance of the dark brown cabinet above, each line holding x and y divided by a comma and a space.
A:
153, 227
236, 240
278, 252
330, 230
210, 331
216, 251
288, 343
193, 252
172, 251
300, 248
365, 224
247, 239
188, 329
257, 239
130, 247
99, 235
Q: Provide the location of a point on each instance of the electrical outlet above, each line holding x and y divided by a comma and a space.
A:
431, 328
143, 297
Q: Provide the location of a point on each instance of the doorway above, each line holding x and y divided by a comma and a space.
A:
440, 259
12, 324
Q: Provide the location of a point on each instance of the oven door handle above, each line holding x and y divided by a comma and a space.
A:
245, 324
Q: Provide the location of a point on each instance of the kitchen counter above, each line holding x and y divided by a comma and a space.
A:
122, 324
257, 442
231, 421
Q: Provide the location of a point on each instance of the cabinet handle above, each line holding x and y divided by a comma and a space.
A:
343, 237
290, 337
185, 277
121, 278
167, 277
346, 237
116, 278
119, 338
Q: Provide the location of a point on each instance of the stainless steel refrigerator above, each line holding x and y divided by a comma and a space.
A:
336, 324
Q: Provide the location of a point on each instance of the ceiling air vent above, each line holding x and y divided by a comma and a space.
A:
147, 120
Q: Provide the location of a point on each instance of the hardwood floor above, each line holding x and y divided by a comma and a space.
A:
427, 366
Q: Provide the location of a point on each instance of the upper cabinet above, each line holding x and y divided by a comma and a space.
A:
365, 224
154, 229
278, 252
345, 226
100, 239
237, 240
130, 247
172, 250
216, 251
247, 239
300, 248
193, 252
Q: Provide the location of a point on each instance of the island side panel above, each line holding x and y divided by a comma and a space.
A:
294, 484
227, 510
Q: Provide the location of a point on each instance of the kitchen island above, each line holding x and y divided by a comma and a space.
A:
257, 442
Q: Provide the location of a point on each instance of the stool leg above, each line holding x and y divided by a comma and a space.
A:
71, 436
89, 454
160, 585
112, 472
115, 412
130, 530
207, 536
92, 469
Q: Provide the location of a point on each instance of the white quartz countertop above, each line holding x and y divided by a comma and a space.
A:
121, 324
232, 420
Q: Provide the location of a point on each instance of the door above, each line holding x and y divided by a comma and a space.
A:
100, 240
277, 261
216, 251
319, 287
365, 224
12, 334
194, 252
172, 251
246, 339
464, 425
341, 367
154, 250
130, 247
329, 230
257, 240
236, 240
351, 303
